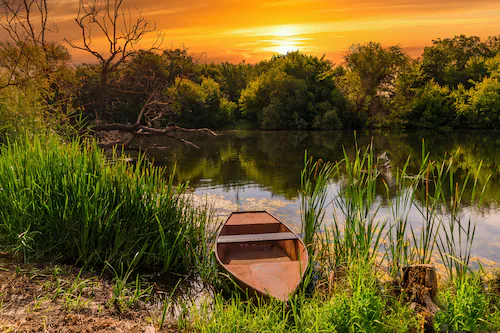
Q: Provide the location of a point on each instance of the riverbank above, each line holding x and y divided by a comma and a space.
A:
129, 227
63, 298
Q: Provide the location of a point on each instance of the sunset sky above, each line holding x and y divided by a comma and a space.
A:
252, 30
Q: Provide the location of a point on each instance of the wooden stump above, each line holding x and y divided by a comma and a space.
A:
420, 285
419, 282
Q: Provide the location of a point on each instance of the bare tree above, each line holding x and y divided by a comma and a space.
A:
156, 107
27, 55
19, 19
122, 32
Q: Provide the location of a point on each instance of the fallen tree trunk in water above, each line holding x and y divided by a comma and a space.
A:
135, 130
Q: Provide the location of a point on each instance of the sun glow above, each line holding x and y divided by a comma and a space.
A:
285, 39
284, 46
285, 31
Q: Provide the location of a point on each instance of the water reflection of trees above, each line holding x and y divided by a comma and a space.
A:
273, 160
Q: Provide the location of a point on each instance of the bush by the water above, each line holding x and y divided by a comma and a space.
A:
69, 202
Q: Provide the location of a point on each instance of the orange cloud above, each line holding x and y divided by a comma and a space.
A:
233, 30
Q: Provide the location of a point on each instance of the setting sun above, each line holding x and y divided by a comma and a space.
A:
285, 46
286, 31
285, 39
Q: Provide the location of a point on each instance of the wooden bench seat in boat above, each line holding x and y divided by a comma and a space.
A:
267, 237
251, 223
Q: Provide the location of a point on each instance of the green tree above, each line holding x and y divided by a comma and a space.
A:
432, 107
274, 100
493, 66
493, 44
370, 75
454, 61
200, 105
483, 107
293, 93
232, 78
179, 63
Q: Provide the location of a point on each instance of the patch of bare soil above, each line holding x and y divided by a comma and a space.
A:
50, 298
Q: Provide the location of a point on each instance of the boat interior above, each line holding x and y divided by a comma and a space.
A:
263, 253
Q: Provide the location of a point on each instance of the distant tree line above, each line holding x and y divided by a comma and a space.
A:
454, 84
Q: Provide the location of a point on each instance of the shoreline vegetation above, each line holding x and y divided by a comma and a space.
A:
454, 84
131, 232
90, 242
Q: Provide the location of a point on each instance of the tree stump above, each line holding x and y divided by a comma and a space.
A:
420, 285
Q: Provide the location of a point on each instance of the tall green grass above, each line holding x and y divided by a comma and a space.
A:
356, 200
467, 307
441, 193
67, 201
397, 244
457, 234
314, 180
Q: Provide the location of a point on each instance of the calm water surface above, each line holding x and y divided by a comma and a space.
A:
261, 170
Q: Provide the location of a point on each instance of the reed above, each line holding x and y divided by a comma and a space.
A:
357, 233
397, 245
314, 180
404, 245
67, 201
456, 236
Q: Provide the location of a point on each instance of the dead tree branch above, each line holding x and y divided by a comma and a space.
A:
108, 19
19, 20
27, 24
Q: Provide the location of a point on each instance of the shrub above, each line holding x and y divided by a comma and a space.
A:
21, 110
484, 104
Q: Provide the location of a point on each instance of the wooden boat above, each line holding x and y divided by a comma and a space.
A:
262, 254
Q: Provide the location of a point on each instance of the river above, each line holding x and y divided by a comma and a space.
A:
261, 170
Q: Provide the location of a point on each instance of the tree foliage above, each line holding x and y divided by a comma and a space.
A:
454, 61
295, 92
372, 70
200, 105
482, 109
432, 107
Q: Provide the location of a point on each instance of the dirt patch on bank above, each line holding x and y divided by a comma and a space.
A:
50, 298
